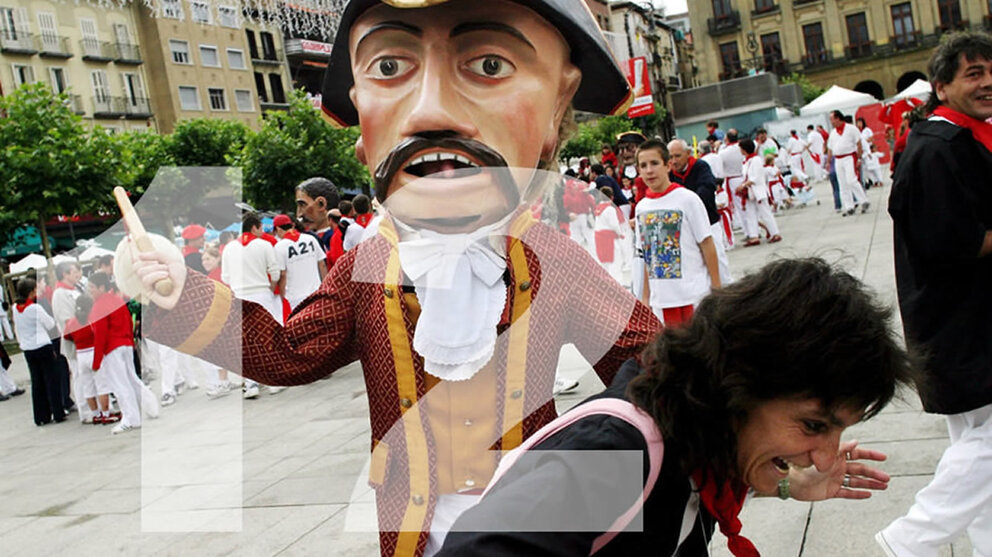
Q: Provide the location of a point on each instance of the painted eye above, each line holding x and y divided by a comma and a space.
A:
495, 67
389, 68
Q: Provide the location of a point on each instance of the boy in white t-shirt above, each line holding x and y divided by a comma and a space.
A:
673, 229
754, 193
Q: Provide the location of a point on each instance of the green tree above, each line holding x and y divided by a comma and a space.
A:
207, 142
592, 135
810, 91
51, 164
293, 146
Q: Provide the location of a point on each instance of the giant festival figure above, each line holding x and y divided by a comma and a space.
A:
459, 304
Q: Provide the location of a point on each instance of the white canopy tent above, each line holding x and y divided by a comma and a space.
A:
94, 252
837, 98
32, 261
920, 89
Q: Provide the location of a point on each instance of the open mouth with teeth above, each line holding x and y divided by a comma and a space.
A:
781, 465
442, 164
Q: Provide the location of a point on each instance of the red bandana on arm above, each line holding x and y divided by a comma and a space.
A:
658, 195
724, 503
688, 169
982, 131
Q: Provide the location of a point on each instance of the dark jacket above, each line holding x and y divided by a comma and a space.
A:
700, 181
941, 207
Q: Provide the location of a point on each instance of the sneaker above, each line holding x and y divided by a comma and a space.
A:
17, 392
87, 420
111, 419
168, 399
3, 397
864, 207
192, 385
564, 385
276, 390
220, 390
249, 391
122, 428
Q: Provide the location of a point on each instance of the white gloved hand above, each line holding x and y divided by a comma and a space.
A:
137, 273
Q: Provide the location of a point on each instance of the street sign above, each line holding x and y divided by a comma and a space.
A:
639, 77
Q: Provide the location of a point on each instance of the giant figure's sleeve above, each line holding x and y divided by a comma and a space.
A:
606, 316
208, 322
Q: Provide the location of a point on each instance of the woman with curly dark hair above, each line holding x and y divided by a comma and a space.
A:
751, 396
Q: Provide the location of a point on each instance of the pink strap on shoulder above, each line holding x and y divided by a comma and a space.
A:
616, 408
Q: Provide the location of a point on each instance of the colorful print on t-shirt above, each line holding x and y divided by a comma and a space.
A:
661, 233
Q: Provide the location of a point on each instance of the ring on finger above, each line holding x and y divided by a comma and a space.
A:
847, 481
848, 455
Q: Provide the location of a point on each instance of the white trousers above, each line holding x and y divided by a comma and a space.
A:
736, 216
796, 165
719, 239
5, 331
132, 395
851, 190
7, 384
959, 498
85, 381
759, 211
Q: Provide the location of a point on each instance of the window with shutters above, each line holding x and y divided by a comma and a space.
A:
22, 74
101, 89
236, 59
218, 100
260, 87
57, 78
275, 83
48, 30
902, 24
172, 9
189, 98
133, 89
227, 16
208, 56
242, 97
199, 12
180, 51
91, 44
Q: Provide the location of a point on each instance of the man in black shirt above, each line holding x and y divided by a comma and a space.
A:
941, 207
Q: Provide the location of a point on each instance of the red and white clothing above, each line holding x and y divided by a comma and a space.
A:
843, 145
113, 354
82, 339
670, 227
733, 171
248, 267
356, 231
610, 233
776, 186
756, 206
796, 148
299, 255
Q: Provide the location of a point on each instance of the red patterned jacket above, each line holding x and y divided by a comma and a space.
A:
557, 294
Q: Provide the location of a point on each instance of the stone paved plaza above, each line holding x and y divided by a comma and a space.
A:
284, 475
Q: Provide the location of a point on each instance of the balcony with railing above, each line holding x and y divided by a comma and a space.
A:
859, 50
725, 23
905, 41
15, 41
733, 73
818, 58
137, 108
797, 3
54, 46
108, 107
96, 51
271, 57
125, 53
75, 104
960, 25
776, 65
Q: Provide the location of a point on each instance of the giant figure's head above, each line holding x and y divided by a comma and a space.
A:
442, 87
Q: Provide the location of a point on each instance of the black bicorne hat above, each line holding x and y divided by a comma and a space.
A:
604, 88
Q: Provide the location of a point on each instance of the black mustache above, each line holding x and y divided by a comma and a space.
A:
398, 157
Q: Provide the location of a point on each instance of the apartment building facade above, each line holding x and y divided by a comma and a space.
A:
878, 47
206, 61
92, 54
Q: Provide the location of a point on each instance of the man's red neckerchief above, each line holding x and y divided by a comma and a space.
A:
24, 306
981, 131
688, 169
247, 238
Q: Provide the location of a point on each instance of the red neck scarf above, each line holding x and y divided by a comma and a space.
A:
795, 135
658, 195
293, 235
24, 306
981, 131
63, 286
749, 157
187, 250
247, 238
364, 219
840, 128
681, 176
724, 503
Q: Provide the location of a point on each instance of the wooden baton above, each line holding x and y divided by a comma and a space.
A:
137, 230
